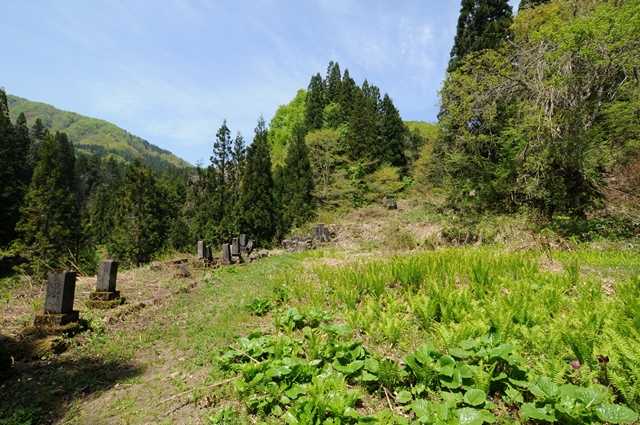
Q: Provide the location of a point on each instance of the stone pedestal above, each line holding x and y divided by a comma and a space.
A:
105, 295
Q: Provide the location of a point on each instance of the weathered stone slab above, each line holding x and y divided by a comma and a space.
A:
107, 276
226, 254
61, 288
104, 296
243, 241
235, 247
249, 247
321, 233
201, 250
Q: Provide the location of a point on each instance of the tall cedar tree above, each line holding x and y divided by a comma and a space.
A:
219, 173
257, 214
524, 4
333, 83
50, 223
362, 131
15, 173
238, 160
347, 89
482, 24
315, 104
141, 227
296, 199
393, 132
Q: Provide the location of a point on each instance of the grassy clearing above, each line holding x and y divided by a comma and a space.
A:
462, 333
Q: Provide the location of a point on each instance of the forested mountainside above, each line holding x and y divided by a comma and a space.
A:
95, 136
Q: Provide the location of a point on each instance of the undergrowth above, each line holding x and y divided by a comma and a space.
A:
472, 335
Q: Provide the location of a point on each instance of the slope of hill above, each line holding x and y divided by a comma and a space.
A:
95, 136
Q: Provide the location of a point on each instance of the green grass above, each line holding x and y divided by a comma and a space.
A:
561, 322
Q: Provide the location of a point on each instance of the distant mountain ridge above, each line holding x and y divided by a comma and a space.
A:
96, 136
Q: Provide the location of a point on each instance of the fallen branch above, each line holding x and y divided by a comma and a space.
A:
217, 384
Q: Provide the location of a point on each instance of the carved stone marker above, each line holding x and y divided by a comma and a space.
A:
321, 233
61, 289
107, 274
58, 305
243, 242
105, 295
226, 254
201, 250
235, 247
249, 246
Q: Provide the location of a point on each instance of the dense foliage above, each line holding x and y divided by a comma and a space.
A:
541, 121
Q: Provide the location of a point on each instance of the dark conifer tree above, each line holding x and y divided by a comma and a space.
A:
315, 103
238, 160
347, 90
8, 161
50, 223
219, 175
296, 195
482, 24
362, 132
141, 225
38, 130
393, 133
333, 83
257, 214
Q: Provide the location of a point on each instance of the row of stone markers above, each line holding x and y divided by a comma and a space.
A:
321, 234
59, 314
237, 251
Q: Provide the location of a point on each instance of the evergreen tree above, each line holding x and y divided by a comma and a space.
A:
238, 160
362, 132
219, 174
347, 90
393, 133
482, 24
333, 83
524, 4
257, 215
50, 224
296, 196
141, 226
15, 145
314, 104
38, 130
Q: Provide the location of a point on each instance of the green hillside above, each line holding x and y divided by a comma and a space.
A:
95, 136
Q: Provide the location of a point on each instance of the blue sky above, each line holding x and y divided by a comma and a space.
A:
170, 71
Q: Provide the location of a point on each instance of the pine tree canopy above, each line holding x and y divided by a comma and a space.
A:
315, 103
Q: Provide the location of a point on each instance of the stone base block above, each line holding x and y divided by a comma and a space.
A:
56, 319
104, 304
104, 296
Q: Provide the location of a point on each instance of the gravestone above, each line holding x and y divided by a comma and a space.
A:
321, 233
61, 289
249, 246
243, 242
58, 305
201, 250
107, 274
235, 247
106, 295
226, 254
